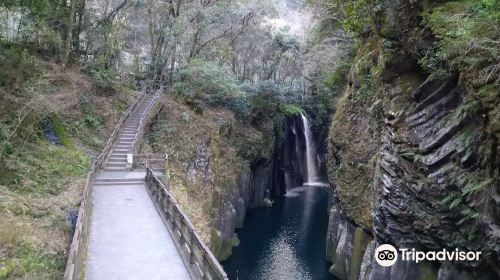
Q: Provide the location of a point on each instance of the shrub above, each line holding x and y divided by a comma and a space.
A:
292, 110
201, 78
104, 78
471, 46
336, 81
211, 84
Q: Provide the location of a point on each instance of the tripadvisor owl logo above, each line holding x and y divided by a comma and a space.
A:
386, 255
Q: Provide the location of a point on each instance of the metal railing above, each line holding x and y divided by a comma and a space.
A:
75, 265
197, 256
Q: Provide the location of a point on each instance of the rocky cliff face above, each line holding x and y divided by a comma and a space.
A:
264, 179
220, 166
415, 162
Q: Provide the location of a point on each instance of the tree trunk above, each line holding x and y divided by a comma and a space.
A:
69, 36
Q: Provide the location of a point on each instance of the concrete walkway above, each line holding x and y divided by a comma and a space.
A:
128, 239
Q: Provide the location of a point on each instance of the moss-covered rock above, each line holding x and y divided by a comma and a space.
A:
222, 248
415, 156
61, 132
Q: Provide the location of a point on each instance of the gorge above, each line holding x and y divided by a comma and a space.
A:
300, 135
287, 239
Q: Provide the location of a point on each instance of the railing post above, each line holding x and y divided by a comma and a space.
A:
181, 229
191, 247
203, 266
183, 232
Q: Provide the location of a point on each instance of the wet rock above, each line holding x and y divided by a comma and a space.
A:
49, 132
448, 271
346, 245
72, 216
222, 234
292, 152
367, 262
371, 270
252, 189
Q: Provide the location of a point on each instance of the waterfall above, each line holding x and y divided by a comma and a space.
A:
311, 163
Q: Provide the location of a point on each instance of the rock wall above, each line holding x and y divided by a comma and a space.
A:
259, 183
414, 160
252, 189
292, 152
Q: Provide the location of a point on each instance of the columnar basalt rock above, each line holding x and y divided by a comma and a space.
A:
433, 169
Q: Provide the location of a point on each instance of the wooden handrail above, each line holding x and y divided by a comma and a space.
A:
197, 256
77, 253
145, 118
112, 139
152, 161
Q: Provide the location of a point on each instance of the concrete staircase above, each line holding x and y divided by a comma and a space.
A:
118, 157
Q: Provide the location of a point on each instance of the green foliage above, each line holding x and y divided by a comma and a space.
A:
7, 267
292, 110
104, 78
472, 45
475, 187
60, 132
468, 110
208, 83
17, 65
205, 78
92, 121
324, 29
40, 263
435, 64
356, 15
337, 80
43, 22
39, 168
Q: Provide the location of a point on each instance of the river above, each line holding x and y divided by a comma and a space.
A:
286, 241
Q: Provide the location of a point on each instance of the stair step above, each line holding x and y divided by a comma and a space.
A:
115, 155
124, 143
115, 168
116, 158
116, 164
119, 183
128, 143
120, 160
100, 180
